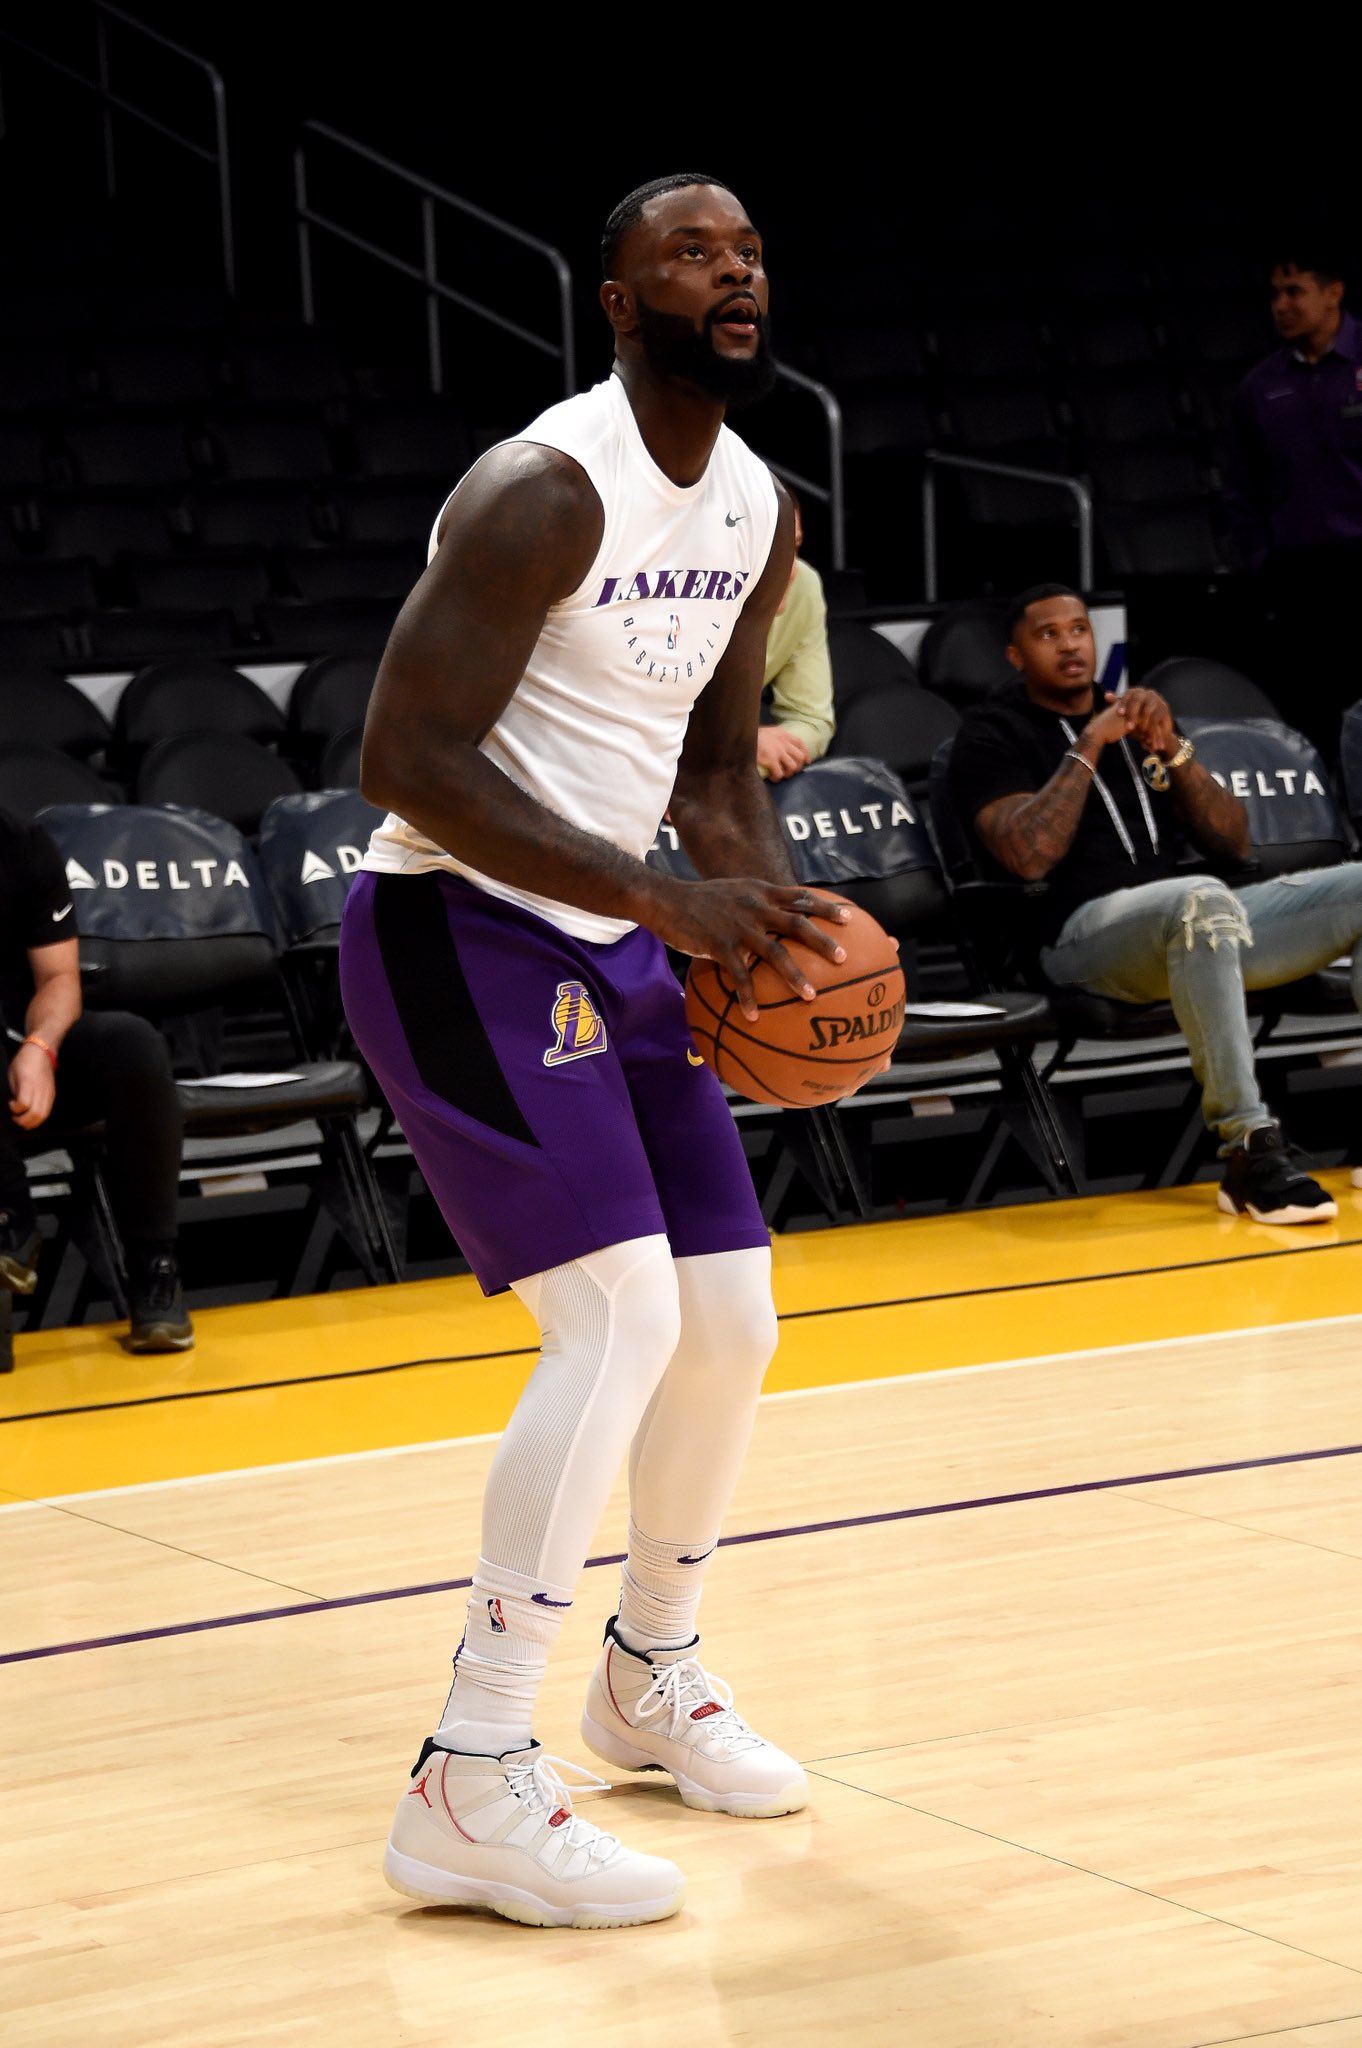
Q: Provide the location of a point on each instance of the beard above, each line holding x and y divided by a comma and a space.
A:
675, 347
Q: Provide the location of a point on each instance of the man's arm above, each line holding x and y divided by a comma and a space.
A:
801, 691
1208, 814
54, 1008
1030, 832
728, 824
520, 533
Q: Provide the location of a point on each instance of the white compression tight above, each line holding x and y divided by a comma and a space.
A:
635, 1345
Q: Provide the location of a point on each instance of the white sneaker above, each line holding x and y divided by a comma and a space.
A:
661, 1711
500, 1832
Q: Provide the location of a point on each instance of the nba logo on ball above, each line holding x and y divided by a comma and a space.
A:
673, 631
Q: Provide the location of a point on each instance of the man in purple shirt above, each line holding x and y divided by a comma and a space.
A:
1294, 491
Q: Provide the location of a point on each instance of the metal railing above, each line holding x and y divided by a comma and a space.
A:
437, 292
833, 493
935, 459
118, 103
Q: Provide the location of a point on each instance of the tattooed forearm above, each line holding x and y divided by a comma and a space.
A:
1029, 834
1208, 814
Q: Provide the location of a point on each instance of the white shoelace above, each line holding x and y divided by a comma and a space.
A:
677, 1689
540, 1785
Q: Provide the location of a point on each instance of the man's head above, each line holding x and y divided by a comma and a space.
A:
1306, 297
1049, 641
685, 286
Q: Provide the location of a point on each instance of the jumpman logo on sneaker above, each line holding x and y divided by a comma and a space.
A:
420, 1786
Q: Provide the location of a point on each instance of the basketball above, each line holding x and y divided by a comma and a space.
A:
799, 1053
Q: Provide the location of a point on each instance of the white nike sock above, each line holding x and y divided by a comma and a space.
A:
660, 1591
500, 1664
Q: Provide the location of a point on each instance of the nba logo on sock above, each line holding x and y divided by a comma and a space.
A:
495, 1618
673, 631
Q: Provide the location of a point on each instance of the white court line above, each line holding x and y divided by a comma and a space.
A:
903, 1379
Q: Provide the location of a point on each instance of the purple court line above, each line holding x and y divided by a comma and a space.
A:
948, 1507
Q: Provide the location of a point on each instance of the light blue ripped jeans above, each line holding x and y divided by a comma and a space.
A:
1194, 943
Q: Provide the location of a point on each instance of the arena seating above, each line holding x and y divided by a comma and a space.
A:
329, 698
173, 697
1195, 688
147, 430
863, 660
184, 951
225, 773
40, 707
964, 654
900, 726
34, 775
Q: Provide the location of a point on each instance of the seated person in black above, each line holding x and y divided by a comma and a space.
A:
1106, 803
69, 1068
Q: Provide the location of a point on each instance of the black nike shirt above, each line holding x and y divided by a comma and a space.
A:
35, 909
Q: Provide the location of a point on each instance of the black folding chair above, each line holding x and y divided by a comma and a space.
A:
310, 849
174, 916
225, 773
855, 828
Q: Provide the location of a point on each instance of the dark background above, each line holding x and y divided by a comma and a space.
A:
898, 169
928, 144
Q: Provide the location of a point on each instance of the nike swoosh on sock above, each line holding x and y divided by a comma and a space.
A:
701, 1558
543, 1600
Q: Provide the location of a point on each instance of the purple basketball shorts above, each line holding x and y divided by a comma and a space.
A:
547, 1086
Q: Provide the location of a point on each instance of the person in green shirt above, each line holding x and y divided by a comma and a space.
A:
798, 695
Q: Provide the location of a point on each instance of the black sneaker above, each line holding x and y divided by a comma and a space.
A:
1264, 1178
19, 1242
160, 1320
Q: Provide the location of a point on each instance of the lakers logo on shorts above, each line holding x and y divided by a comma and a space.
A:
578, 1024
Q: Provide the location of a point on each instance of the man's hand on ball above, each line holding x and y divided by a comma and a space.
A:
737, 922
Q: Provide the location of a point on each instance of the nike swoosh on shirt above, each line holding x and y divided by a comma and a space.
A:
732, 518
693, 1058
58, 915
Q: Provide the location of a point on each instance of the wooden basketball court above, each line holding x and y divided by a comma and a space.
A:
1047, 1561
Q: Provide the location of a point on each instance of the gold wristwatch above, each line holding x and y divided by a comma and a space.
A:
1155, 768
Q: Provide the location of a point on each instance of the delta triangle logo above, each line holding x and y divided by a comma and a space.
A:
78, 877
315, 869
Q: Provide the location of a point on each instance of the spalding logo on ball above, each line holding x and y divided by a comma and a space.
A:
799, 1053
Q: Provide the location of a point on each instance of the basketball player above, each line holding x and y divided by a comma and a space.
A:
586, 644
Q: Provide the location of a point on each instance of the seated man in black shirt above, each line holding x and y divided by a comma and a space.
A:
1104, 801
69, 1068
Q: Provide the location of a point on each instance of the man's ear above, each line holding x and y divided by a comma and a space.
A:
1015, 656
618, 305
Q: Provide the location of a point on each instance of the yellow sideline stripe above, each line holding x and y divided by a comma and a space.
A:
1008, 1283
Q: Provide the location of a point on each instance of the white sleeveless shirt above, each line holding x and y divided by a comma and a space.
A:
595, 726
